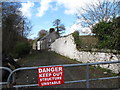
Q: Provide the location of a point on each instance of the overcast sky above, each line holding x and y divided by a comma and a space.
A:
43, 13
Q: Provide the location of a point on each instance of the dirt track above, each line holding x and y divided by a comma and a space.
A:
71, 73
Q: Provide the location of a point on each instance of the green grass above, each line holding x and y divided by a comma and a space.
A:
64, 57
103, 69
94, 75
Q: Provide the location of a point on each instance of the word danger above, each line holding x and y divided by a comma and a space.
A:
50, 69
50, 76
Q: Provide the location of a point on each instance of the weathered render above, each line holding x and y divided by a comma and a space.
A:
66, 47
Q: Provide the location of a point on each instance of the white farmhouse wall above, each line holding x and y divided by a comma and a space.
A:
38, 45
66, 47
34, 46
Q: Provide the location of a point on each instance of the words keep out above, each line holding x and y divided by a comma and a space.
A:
55, 74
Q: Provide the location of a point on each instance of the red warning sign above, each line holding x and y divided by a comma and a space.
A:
48, 76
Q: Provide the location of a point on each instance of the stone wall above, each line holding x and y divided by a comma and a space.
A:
66, 47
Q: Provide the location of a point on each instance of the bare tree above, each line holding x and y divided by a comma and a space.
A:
100, 11
42, 33
15, 27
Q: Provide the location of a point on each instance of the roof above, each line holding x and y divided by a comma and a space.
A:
44, 37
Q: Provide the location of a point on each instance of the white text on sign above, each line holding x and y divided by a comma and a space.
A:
50, 75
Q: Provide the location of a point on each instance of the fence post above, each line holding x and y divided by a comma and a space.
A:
87, 77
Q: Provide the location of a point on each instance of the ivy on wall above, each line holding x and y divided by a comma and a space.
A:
77, 39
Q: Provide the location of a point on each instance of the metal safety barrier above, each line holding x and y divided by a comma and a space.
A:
87, 80
7, 69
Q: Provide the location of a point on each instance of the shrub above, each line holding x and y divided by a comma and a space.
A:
21, 49
77, 39
108, 34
